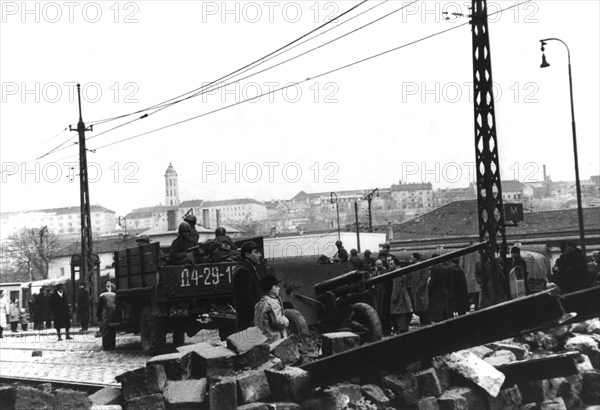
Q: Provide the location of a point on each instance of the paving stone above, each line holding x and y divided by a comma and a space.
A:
330, 400
243, 341
428, 403
590, 393
252, 386
185, 394
443, 372
405, 387
477, 370
554, 404
521, 350
475, 398
481, 351
283, 406
253, 406
338, 342
289, 385
152, 401
216, 361
253, 357
500, 357
223, 394
351, 390
375, 394
66, 399
106, 396
178, 366
535, 391
195, 350
530, 406
429, 384
286, 350
25, 398
450, 401
142, 382
582, 344
508, 399
583, 363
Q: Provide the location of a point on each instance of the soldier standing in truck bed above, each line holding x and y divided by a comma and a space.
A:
179, 254
194, 234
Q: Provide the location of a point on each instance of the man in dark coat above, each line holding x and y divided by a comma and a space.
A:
356, 261
419, 288
47, 307
460, 293
246, 285
368, 262
571, 269
60, 310
83, 307
439, 289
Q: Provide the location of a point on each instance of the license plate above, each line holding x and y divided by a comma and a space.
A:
206, 276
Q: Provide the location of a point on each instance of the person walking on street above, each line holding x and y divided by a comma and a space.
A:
83, 307
60, 311
3, 313
13, 313
47, 307
246, 285
269, 313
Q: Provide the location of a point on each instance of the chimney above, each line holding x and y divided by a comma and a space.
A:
390, 232
205, 218
172, 220
218, 218
545, 173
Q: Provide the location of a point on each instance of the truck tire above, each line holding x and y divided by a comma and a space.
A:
178, 337
367, 316
298, 325
152, 332
108, 333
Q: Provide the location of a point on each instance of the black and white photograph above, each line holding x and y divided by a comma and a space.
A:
304, 204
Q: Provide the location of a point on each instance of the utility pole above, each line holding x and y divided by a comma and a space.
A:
87, 275
489, 189
357, 227
42, 255
369, 198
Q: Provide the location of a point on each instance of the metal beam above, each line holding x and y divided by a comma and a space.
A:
539, 368
494, 323
585, 303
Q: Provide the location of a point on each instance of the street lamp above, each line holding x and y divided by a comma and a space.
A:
337, 209
369, 198
577, 183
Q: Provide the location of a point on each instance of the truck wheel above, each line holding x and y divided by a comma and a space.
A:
108, 333
178, 337
367, 316
298, 323
152, 332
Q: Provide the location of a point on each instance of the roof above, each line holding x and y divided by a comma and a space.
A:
425, 186
512, 186
191, 203
243, 201
147, 212
99, 246
461, 218
62, 211
300, 196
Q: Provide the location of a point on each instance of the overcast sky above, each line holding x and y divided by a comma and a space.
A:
405, 115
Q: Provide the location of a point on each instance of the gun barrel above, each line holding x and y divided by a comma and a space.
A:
425, 264
338, 281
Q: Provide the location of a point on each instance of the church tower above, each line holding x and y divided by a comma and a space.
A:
171, 187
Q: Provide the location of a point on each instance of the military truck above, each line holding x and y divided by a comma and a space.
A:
153, 298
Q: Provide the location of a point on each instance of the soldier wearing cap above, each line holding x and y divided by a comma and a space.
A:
142, 239
179, 253
246, 285
194, 234
269, 312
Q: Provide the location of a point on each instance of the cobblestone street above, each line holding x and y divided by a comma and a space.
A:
80, 360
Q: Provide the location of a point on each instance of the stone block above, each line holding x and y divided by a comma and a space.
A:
152, 401
195, 350
521, 350
530, 406
106, 396
338, 342
536, 391
553, 404
583, 363
245, 340
185, 394
375, 394
405, 387
443, 372
481, 351
252, 358
253, 406
508, 399
283, 406
351, 390
223, 394
252, 386
216, 361
178, 366
290, 384
286, 350
330, 400
450, 401
582, 344
428, 382
107, 407
428, 403
71, 400
25, 398
500, 357
590, 392
142, 382
477, 370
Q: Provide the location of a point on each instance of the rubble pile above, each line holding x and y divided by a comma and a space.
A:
246, 373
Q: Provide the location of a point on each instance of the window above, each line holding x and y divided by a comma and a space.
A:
62, 271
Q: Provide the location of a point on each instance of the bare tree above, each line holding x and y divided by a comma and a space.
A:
31, 251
